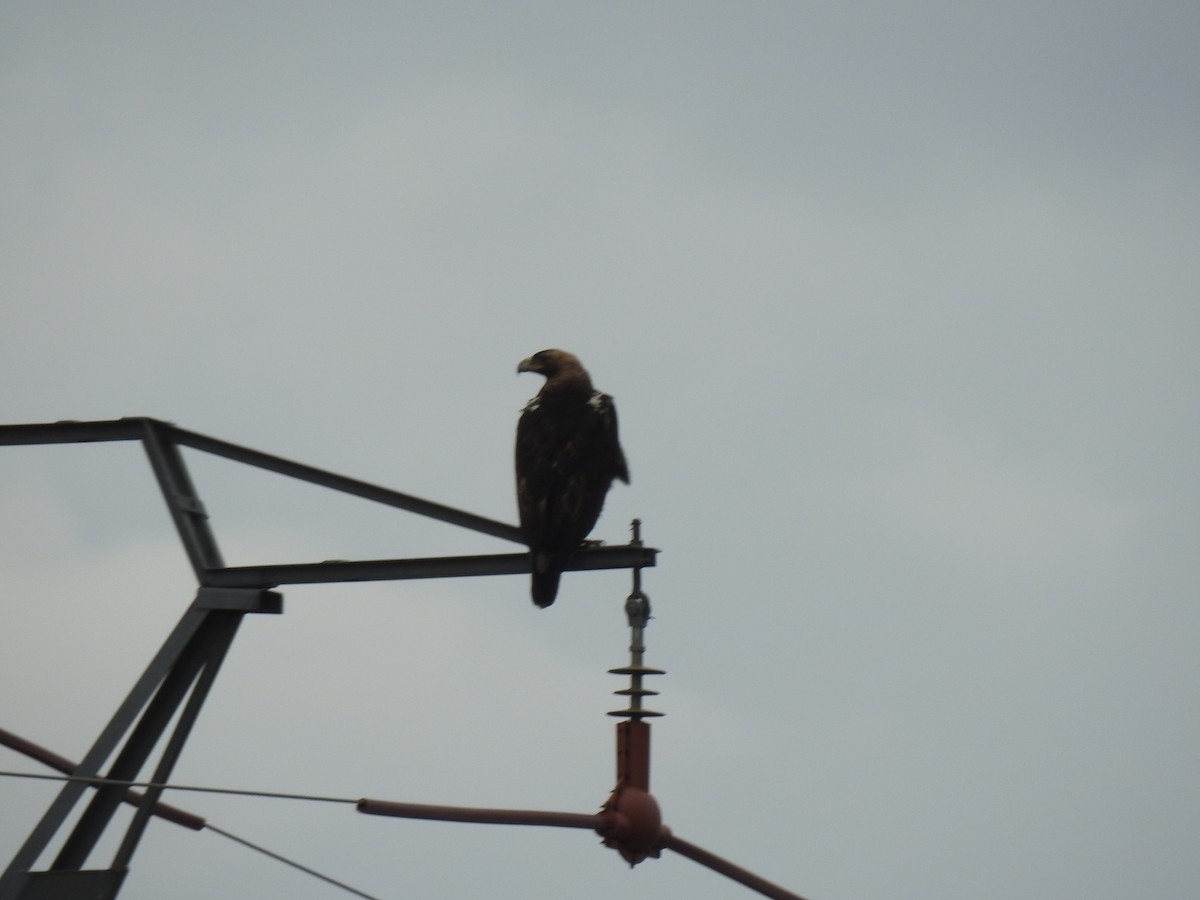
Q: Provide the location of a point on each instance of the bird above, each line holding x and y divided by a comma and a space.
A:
567, 457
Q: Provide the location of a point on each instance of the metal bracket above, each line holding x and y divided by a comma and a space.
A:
247, 600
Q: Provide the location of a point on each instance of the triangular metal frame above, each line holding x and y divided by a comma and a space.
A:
184, 669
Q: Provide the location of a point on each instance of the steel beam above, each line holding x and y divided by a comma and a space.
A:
345, 485
142, 740
120, 723
183, 503
619, 557
224, 626
72, 432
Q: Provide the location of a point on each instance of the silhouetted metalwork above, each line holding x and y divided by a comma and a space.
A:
637, 610
602, 823
634, 822
68, 880
630, 820
184, 669
178, 678
67, 767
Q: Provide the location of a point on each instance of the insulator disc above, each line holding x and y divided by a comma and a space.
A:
636, 713
637, 670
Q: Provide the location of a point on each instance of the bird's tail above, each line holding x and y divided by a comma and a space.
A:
544, 586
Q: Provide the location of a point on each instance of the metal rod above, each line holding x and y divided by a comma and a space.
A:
619, 557
593, 821
67, 767
637, 610
180, 495
728, 869
69, 432
346, 485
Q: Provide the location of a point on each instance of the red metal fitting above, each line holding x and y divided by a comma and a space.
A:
632, 822
633, 825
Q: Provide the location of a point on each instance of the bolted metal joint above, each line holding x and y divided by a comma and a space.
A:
633, 825
637, 609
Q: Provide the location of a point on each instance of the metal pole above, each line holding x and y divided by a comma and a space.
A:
138, 747
120, 723
224, 626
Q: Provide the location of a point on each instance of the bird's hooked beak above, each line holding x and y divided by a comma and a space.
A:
527, 365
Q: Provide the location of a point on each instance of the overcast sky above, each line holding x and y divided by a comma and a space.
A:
898, 304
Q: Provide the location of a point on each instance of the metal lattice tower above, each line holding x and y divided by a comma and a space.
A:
179, 677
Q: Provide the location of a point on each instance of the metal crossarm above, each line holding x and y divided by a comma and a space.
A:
182, 672
619, 557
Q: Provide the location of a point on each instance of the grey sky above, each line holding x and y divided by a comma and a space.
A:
898, 306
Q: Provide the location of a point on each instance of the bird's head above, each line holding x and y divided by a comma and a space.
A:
549, 363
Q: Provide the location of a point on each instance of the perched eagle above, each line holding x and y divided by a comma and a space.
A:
567, 458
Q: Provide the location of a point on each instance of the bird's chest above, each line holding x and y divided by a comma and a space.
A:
559, 422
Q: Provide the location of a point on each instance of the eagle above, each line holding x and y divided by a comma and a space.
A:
567, 456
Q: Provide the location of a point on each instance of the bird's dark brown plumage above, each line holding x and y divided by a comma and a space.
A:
567, 456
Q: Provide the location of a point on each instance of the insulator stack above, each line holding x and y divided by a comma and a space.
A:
636, 692
637, 609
